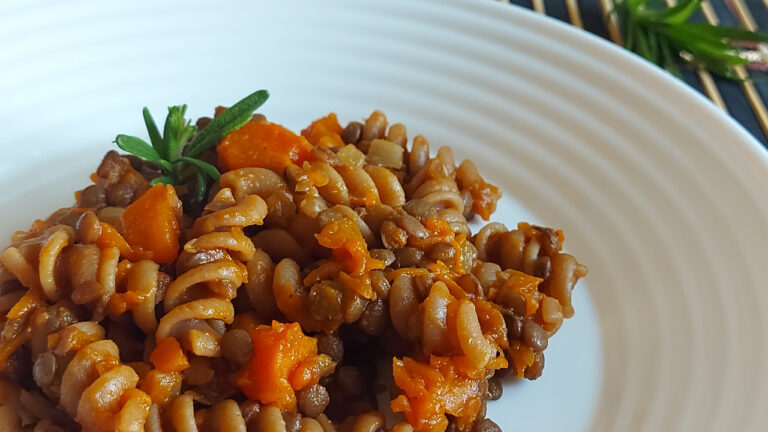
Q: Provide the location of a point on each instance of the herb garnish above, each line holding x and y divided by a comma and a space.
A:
177, 150
665, 37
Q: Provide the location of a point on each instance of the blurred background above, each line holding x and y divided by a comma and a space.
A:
745, 101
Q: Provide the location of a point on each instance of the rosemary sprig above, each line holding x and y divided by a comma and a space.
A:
665, 37
176, 152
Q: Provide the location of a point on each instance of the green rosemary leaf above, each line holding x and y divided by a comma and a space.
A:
201, 186
653, 45
670, 61
154, 134
713, 52
203, 166
687, 38
677, 14
231, 119
629, 37
665, 37
643, 47
728, 33
716, 62
178, 130
138, 147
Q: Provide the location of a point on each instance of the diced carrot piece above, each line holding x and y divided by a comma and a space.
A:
438, 227
325, 132
439, 232
492, 322
265, 145
522, 357
430, 391
349, 247
111, 238
121, 302
151, 226
527, 286
485, 196
443, 273
168, 356
280, 350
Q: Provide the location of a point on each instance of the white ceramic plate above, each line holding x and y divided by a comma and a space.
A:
661, 195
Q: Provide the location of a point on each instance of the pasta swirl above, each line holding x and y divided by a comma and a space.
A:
93, 386
210, 271
535, 251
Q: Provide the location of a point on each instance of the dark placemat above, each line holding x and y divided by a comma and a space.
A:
746, 101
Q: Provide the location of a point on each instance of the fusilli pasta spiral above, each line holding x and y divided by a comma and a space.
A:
210, 270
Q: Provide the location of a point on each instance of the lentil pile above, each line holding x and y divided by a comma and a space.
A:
327, 273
